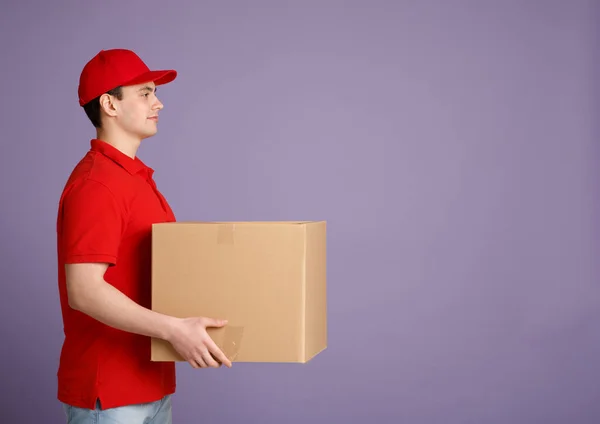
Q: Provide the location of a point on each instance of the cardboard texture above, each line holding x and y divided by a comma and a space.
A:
268, 279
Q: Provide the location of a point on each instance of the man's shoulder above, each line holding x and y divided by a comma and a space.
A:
95, 169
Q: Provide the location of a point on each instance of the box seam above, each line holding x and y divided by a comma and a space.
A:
304, 284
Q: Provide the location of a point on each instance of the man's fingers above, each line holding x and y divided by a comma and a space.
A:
213, 322
208, 359
193, 363
216, 353
219, 355
201, 362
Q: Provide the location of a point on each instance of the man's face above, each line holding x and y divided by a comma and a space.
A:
138, 110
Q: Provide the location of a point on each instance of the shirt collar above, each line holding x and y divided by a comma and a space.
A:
133, 166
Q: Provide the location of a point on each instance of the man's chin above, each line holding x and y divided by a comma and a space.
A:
148, 135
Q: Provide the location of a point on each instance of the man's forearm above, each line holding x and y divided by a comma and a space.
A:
108, 305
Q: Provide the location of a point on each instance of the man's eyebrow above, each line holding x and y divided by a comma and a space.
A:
147, 88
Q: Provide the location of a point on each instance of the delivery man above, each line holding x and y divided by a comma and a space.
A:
106, 211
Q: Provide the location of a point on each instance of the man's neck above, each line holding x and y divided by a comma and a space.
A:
122, 142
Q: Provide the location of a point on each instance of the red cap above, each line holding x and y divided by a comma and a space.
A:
113, 68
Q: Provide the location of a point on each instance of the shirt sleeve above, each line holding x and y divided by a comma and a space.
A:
92, 224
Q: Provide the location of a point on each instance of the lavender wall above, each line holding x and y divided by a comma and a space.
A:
451, 145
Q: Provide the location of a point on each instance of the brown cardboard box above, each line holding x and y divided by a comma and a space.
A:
268, 279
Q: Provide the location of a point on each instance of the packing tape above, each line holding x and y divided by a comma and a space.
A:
225, 234
229, 339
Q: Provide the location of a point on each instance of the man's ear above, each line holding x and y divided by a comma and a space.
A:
108, 105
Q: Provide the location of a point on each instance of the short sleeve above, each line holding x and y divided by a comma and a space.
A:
92, 224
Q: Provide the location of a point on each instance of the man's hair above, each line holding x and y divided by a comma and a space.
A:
92, 108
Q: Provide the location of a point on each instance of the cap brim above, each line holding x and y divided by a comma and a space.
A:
157, 77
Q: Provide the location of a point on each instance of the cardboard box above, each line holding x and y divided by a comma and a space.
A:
268, 279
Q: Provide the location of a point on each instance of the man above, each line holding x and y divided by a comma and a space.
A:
106, 211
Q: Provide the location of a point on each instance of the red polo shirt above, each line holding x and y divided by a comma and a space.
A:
105, 214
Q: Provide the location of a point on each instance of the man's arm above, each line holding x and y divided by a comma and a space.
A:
89, 293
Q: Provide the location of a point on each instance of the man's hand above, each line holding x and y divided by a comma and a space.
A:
191, 340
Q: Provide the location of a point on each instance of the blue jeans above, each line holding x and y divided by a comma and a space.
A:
158, 412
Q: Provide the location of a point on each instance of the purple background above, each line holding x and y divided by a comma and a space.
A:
450, 145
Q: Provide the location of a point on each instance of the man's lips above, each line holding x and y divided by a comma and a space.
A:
154, 118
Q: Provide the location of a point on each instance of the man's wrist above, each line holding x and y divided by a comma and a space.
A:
169, 327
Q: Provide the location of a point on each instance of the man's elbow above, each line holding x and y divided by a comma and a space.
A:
76, 299
81, 281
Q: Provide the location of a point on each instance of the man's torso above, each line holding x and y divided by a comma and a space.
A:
98, 361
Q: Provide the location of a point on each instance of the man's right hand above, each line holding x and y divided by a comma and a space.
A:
191, 340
